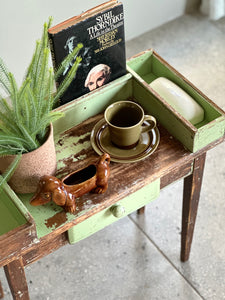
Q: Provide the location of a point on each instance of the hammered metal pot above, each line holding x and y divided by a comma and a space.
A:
32, 166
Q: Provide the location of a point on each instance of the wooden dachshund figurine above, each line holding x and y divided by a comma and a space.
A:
64, 192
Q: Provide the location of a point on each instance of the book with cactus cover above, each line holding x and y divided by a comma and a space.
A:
98, 35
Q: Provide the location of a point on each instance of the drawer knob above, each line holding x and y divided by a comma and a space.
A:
118, 211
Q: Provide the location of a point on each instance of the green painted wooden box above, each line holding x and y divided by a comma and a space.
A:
17, 227
147, 66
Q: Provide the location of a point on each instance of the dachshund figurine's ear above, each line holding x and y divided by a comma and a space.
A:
59, 197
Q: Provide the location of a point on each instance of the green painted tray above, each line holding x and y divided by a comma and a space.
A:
147, 66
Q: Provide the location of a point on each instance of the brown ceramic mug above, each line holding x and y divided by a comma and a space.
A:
125, 120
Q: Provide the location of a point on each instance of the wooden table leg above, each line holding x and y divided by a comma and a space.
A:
141, 210
1, 291
191, 194
17, 280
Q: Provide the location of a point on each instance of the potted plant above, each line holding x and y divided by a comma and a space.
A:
26, 120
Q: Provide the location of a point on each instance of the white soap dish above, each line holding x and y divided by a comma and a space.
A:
178, 99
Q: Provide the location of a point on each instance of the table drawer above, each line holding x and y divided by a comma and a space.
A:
111, 214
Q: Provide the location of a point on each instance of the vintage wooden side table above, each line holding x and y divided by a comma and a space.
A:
168, 163
181, 153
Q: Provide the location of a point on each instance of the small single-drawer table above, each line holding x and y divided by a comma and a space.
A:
170, 162
180, 154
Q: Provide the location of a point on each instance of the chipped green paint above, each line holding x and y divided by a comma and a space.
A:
48, 217
40, 214
105, 217
70, 145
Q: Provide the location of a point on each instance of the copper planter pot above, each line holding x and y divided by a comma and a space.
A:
32, 166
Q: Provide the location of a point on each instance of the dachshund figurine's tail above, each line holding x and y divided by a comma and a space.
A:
103, 172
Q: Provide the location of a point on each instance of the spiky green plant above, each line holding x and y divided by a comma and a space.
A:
25, 120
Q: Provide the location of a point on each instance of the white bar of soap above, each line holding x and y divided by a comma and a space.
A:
178, 99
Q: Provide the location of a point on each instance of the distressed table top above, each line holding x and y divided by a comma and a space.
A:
169, 162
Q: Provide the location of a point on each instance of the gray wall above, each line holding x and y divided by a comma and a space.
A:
21, 23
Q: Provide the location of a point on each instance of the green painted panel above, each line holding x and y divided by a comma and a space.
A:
105, 217
209, 133
142, 64
10, 216
149, 77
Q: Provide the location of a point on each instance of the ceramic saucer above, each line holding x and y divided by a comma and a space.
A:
100, 141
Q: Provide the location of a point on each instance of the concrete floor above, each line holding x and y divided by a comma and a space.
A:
137, 258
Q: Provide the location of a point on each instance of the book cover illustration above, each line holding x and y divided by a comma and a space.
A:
103, 56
